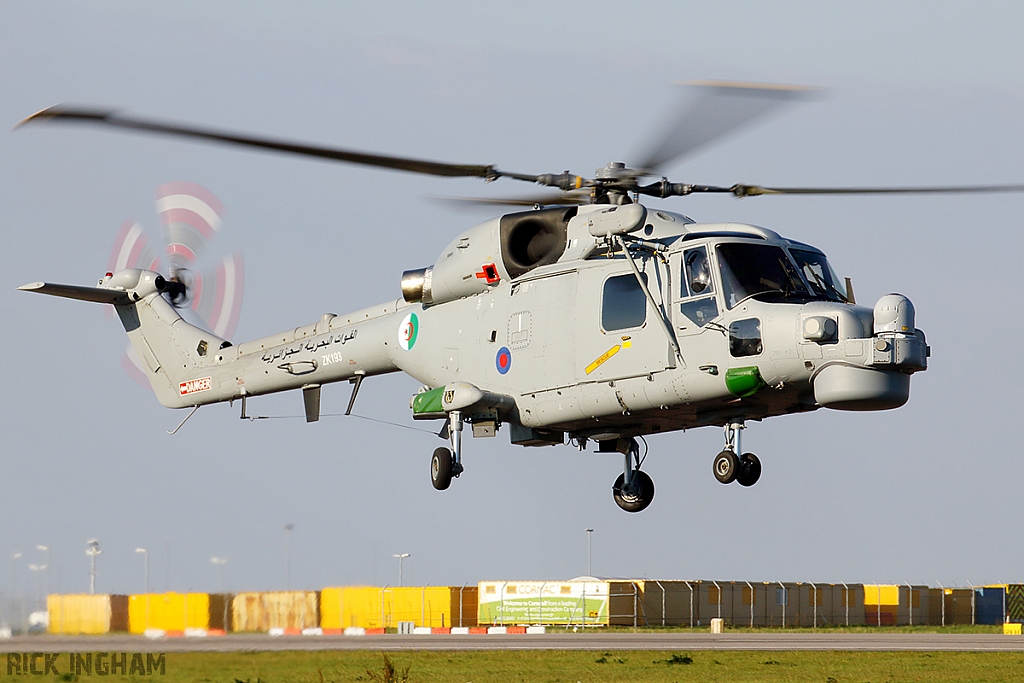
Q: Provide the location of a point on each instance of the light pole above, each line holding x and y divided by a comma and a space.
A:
14, 584
145, 558
92, 552
220, 562
288, 556
36, 568
401, 558
14, 575
589, 534
46, 549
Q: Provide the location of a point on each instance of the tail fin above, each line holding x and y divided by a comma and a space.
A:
168, 345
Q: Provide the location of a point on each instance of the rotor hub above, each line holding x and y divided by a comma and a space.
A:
615, 170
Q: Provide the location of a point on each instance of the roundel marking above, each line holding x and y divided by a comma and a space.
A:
408, 331
503, 361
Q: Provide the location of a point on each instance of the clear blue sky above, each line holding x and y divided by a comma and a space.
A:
917, 92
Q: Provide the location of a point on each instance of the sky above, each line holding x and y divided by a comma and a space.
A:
913, 93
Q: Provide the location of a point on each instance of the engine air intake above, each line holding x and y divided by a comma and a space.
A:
533, 238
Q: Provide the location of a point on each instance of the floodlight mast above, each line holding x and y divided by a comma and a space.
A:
401, 557
590, 533
145, 556
14, 576
288, 555
35, 569
220, 562
46, 549
92, 551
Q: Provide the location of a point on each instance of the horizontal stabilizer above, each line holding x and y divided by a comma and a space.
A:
100, 295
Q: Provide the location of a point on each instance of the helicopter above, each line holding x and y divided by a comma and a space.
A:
588, 317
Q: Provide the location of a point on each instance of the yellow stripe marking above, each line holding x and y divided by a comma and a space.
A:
602, 358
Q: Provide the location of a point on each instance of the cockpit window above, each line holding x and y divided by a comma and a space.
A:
758, 269
696, 272
822, 279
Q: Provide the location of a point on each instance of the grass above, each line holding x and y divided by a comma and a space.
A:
586, 667
874, 630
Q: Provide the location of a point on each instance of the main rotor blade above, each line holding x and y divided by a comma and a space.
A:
113, 119
570, 198
756, 190
717, 108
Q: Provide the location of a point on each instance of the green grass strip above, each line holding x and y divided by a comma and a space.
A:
587, 667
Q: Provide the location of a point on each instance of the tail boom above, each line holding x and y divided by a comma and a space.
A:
188, 366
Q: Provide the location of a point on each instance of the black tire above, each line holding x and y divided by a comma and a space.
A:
750, 470
639, 498
441, 468
726, 467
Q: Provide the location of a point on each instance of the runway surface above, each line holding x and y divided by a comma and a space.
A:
863, 642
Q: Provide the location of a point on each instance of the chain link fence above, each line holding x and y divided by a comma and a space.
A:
638, 604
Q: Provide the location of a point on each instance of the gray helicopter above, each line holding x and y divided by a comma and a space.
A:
587, 318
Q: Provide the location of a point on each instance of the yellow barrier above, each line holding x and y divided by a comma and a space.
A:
881, 595
281, 609
349, 606
168, 611
371, 607
78, 614
1011, 629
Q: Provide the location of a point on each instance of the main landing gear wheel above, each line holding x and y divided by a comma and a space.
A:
638, 495
441, 468
727, 467
750, 470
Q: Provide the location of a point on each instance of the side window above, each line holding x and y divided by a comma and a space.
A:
624, 304
745, 337
696, 282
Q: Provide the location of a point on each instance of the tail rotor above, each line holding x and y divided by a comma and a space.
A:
190, 218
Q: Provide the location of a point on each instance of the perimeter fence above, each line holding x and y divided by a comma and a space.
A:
582, 603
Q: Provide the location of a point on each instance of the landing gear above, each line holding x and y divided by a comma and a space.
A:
638, 496
750, 470
441, 468
729, 466
633, 489
445, 463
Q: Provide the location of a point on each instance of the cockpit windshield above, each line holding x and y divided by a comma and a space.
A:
823, 280
758, 270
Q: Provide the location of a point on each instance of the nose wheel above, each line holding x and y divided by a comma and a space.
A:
729, 467
633, 490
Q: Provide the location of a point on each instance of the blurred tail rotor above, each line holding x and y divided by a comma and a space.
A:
190, 218
132, 249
